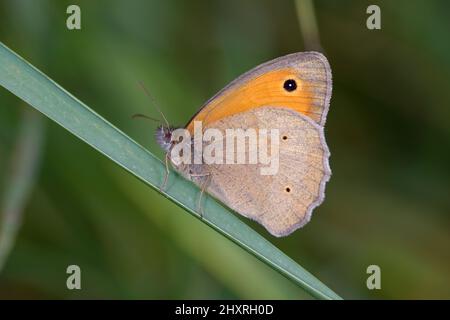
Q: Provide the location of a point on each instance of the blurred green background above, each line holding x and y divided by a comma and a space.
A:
388, 129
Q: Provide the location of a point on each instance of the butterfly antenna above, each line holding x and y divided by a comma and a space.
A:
154, 103
140, 115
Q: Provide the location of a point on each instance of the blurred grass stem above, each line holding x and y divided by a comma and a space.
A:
308, 24
25, 160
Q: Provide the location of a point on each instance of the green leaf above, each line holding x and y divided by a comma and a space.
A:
35, 88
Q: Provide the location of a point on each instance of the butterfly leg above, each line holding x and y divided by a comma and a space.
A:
204, 186
166, 175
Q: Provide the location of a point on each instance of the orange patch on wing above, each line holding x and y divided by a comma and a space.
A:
264, 90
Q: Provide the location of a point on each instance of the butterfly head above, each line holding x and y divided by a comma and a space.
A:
164, 137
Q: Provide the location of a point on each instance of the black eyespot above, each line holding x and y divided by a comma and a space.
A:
290, 85
288, 189
284, 137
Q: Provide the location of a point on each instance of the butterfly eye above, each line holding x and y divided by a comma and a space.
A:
290, 85
288, 189
284, 137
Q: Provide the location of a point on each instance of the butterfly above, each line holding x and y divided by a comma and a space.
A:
289, 95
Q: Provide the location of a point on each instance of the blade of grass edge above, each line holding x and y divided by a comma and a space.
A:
28, 83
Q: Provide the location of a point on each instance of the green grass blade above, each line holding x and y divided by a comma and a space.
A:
35, 88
